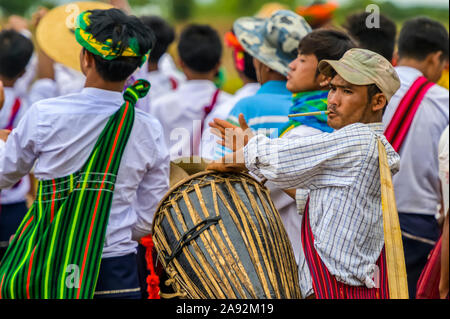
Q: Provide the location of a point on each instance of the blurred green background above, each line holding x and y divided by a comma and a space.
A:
221, 14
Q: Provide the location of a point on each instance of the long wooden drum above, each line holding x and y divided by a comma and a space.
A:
219, 236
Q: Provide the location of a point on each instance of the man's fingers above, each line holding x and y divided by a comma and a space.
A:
217, 128
224, 124
221, 142
216, 166
217, 133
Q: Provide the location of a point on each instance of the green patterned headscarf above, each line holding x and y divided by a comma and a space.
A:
104, 49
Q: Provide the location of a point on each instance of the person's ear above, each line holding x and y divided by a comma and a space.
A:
266, 69
181, 63
394, 58
378, 102
433, 60
87, 60
217, 67
322, 80
437, 57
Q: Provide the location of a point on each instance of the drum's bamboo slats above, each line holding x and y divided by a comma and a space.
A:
212, 256
245, 232
192, 293
252, 232
282, 230
273, 276
187, 253
196, 267
395, 258
218, 282
225, 260
193, 262
280, 246
253, 236
237, 265
289, 264
198, 262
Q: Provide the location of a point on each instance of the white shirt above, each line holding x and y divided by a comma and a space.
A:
221, 112
181, 114
341, 171
66, 81
301, 196
5, 112
168, 67
17, 193
161, 84
293, 224
416, 185
58, 136
444, 168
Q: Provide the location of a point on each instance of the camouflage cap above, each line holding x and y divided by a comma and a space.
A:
273, 41
364, 67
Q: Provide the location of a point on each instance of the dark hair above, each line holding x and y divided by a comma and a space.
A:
377, 39
164, 34
249, 67
326, 44
422, 36
116, 25
15, 53
200, 48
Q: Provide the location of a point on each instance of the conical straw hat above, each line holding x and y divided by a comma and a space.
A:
55, 32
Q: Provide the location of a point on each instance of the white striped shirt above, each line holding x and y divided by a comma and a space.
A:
341, 170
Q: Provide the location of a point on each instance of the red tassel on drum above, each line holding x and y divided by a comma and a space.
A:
152, 279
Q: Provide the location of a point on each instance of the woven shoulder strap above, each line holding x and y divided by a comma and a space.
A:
402, 119
395, 258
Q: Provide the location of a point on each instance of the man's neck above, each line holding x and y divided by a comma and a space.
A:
152, 67
273, 77
412, 63
104, 85
7, 83
210, 76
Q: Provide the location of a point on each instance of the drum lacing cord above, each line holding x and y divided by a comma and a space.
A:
190, 235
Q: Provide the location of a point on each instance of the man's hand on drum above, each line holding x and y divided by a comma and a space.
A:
232, 162
234, 138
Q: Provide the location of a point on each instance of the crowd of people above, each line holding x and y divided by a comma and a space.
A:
366, 86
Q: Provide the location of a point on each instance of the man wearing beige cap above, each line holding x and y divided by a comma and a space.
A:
342, 228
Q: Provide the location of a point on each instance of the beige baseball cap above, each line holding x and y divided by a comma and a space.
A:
364, 67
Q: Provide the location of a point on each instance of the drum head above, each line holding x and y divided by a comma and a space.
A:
177, 174
192, 165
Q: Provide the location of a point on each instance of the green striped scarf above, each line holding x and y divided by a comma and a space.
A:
56, 251
305, 102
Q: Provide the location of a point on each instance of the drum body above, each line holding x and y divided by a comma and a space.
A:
219, 236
